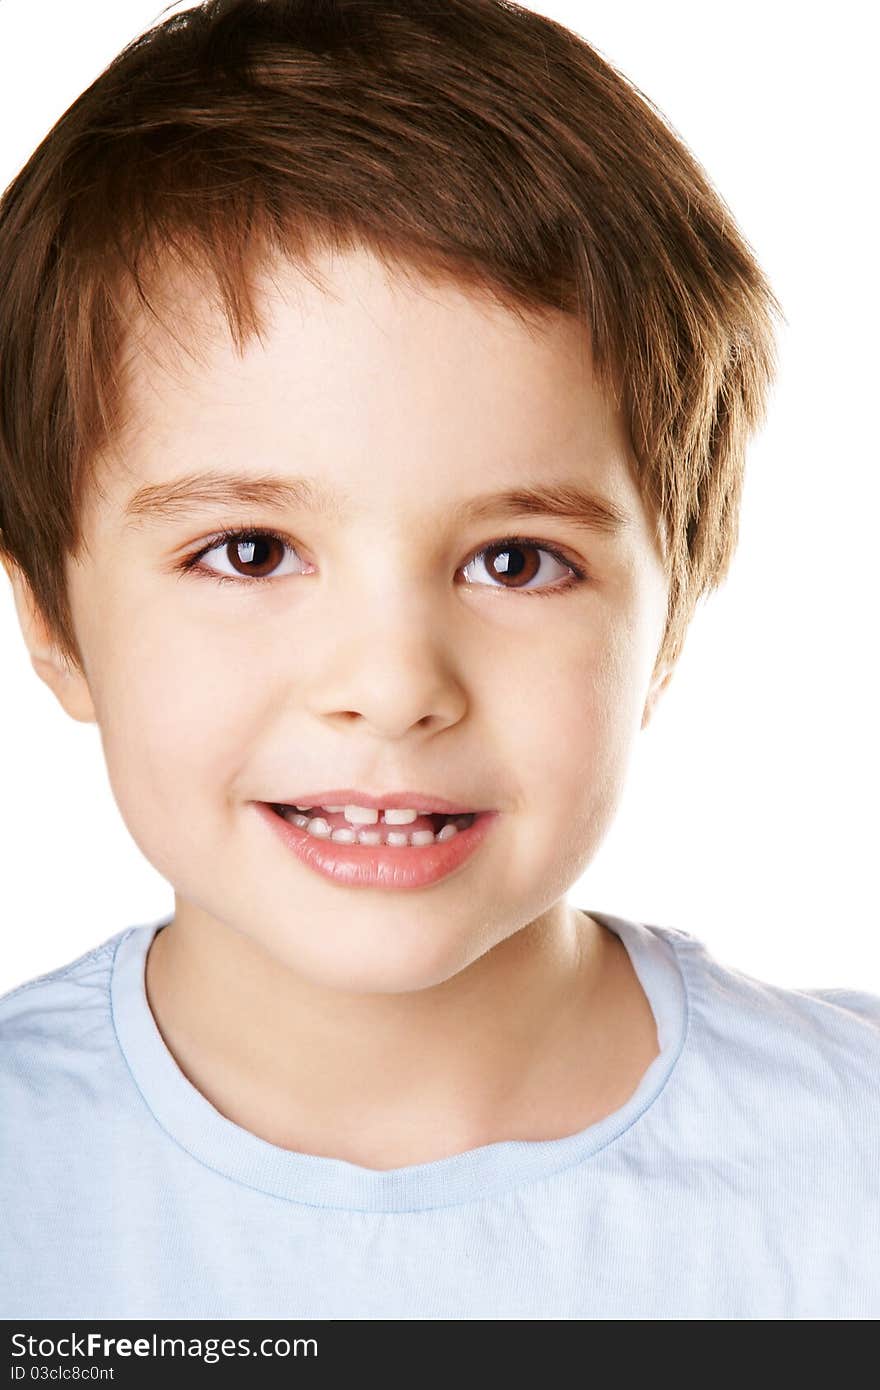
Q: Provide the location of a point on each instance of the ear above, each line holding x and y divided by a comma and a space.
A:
658, 685
67, 683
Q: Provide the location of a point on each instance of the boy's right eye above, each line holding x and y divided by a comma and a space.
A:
259, 549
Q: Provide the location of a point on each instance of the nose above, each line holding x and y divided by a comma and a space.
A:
394, 669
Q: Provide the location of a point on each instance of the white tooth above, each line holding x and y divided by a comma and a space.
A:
406, 817
422, 837
333, 808
343, 836
361, 815
447, 832
304, 808
301, 821
397, 837
318, 826
369, 837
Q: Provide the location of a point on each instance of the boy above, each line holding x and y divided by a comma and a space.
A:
334, 337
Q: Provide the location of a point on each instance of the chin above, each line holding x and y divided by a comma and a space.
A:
383, 968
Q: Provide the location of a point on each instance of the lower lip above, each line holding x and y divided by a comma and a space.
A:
381, 866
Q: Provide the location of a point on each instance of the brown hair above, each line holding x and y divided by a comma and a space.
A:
472, 139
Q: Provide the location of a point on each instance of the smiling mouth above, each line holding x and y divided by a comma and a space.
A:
426, 829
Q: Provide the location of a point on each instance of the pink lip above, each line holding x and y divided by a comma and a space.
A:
416, 801
380, 866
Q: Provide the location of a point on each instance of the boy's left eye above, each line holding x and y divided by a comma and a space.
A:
510, 558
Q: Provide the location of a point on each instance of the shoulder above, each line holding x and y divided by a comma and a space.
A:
91, 969
822, 1043
54, 1026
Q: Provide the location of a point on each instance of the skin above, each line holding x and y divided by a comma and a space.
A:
383, 1028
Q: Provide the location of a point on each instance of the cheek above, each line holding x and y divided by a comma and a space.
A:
576, 732
588, 700
175, 723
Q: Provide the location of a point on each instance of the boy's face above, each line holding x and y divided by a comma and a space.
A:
369, 660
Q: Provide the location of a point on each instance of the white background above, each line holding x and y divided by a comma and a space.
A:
749, 817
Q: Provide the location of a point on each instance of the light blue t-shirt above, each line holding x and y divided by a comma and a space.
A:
740, 1180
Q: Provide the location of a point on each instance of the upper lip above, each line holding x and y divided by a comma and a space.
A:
347, 796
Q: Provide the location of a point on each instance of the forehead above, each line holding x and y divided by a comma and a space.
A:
368, 382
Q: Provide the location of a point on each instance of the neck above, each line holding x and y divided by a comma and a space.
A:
526, 1043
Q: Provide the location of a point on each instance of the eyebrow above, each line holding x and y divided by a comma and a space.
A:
568, 501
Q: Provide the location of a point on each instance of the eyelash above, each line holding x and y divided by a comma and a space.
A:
191, 564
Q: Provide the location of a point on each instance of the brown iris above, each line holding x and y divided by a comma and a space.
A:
262, 553
512, 566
